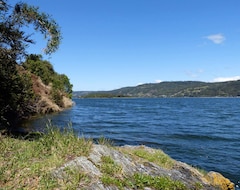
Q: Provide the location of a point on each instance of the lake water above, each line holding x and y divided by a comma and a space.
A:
203, 132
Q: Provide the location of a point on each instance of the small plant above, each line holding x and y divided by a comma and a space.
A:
103, 141
73, 179
141, 181
202, 171
109, 167
198, 186
112, 181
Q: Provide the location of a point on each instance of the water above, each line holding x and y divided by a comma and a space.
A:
203, 132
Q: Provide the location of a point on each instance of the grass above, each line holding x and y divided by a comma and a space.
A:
109, 167
103, 141
112, 176
26, 164
156, 156
141, 181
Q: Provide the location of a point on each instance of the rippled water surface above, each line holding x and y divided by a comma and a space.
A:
203, 132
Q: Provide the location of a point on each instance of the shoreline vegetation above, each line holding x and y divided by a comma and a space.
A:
29, 85
59, 159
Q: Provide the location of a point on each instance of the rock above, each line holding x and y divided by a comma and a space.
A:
91, 165
81, 163
125, 162
67, 102
45, 104
217, 179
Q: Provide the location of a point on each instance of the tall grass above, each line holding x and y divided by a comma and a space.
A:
26, 164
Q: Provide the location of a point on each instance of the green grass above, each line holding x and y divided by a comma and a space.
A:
27, 164
165, 183
156, 156
109, 167
141, 181
112, 176
103, 141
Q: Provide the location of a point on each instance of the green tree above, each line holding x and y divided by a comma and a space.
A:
15, 87
60, 83
37, 66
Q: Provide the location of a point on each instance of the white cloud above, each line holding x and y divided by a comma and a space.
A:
216, 38
158, 81
224, 79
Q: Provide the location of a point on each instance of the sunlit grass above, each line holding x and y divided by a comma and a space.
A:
26, 164
113, 176
156, 156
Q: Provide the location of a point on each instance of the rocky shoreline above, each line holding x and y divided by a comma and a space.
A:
130, 164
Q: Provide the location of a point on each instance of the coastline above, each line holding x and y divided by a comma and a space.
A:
65, 161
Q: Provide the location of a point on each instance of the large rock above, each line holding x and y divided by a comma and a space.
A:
188, 175
217, 179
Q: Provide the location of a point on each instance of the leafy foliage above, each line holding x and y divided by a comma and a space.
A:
16, 95
60, 83
37, 66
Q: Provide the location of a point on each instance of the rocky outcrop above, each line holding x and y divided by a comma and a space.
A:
132, 164
217, 179
44, 102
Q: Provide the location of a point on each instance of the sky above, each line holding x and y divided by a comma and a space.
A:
109, 44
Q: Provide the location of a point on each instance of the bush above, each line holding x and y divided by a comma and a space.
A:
16, 97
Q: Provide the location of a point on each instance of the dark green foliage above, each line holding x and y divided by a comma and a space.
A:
37, 66
57, 97
24, 15
16, 95
60, 83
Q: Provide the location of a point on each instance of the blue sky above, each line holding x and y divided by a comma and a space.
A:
109, 44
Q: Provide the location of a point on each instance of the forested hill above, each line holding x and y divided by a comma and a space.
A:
174, 89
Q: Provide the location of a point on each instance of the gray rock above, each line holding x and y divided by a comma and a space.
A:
90, 165
81, 163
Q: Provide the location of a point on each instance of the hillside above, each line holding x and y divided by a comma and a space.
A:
174, 89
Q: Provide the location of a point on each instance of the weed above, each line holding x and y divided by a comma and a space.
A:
109, 167
141, 181
202, 171
104, 141
198, 186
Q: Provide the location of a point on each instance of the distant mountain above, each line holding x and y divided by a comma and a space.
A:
81, 93
173, 89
